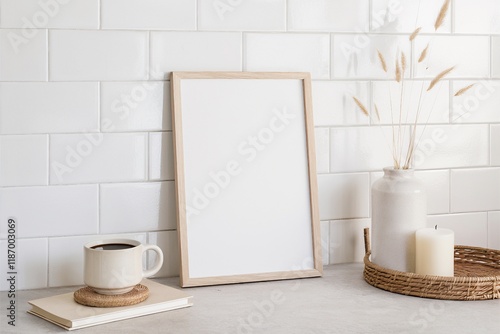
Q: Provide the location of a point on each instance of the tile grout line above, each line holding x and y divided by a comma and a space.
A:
48, 160
99, 14
287, 5
370, 11
449, 189
146, 157
47, 45
99, 130
98, 208
489, 146
452, 17
329, 150
48, 262
243, 48
148, 57
196, 16
491, 57
330, 56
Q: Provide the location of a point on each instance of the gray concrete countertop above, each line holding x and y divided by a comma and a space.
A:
339, 302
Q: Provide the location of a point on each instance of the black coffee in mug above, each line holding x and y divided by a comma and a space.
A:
112, 246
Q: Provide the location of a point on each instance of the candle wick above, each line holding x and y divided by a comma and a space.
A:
436, 227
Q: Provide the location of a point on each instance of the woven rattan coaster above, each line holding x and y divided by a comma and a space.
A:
88, 297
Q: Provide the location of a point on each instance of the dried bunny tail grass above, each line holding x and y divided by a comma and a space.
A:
376, 112
442, 14
463, 90
382, 61
398, 71
439, 77
361, 106
403, 61
423, 54
415, 33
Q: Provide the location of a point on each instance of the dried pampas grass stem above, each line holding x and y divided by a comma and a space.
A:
403, 61
404, 119
376, 112
463, 90
439, 77
423, 54
415, 33
398, 71
382, 61
361, 106
442, 14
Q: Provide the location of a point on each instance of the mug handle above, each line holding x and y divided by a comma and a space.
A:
159, 260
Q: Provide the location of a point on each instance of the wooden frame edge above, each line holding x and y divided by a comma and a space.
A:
185, 280
179, 175
313, 180
248, 278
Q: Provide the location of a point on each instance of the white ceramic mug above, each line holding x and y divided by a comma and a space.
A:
114, 266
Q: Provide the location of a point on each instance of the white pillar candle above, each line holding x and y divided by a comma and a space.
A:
435, 251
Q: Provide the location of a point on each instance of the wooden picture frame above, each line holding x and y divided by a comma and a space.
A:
245, 170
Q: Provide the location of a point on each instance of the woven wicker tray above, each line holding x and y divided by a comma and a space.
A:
477, 276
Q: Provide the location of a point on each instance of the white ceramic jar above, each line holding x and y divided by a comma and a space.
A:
399, 209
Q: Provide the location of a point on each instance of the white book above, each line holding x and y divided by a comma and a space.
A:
63, 311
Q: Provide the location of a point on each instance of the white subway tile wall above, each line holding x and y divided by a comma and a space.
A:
24, 160
470, 229
318, 15
437, 184
32, 257
136, 106
469, 54
148, 14
86, 146
447, 146
48, 107
485, 14
255, 15
346, 242
466, 184
434, 107
355, 149
86, 55
161, 156
495, 144
122, 205
325, 241
494, 229
98, 157
495, 55
354, 56
406, 15
343, 195
288, 52
333, 103
194, 51
58, 14
322, 138
51, 210
477, 105
22, 58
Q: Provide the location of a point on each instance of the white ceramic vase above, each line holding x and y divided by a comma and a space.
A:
399, 209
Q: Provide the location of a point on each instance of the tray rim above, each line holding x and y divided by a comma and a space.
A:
455, 282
